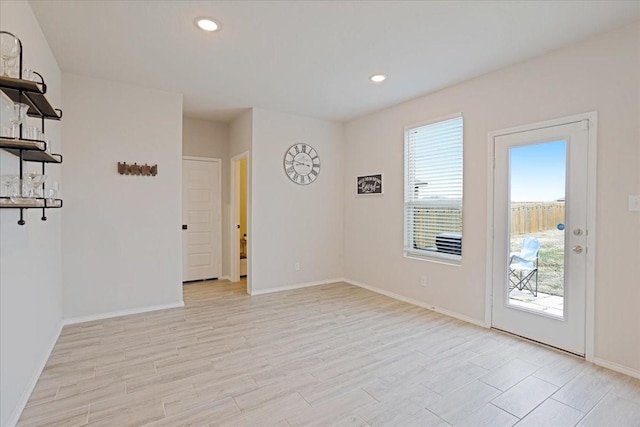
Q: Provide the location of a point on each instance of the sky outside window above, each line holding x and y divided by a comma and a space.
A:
538, 172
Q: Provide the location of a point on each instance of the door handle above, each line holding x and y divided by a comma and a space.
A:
577, 249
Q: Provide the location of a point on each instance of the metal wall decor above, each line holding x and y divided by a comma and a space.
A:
136, 169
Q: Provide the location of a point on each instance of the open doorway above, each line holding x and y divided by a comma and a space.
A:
240, 236
243, 216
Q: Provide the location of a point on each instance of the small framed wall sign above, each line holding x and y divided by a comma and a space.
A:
370, 184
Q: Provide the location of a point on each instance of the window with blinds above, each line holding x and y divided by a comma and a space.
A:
433, 190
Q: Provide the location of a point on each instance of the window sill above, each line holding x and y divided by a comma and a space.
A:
436, 257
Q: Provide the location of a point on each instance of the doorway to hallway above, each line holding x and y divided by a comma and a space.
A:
240, 224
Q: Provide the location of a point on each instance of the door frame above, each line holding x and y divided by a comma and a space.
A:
219, 213
234, 241
592, 118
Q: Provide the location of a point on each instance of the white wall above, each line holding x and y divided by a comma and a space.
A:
202, 138
602, 74
295, 223
241, 134
30, 260
122, 235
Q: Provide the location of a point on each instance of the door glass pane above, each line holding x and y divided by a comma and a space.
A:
537, 178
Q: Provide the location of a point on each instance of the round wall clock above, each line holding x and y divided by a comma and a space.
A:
302, 164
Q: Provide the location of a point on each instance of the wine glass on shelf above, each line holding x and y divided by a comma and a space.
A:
16, 188
6, 115
9, 52
9, 183
19, 117
36, 180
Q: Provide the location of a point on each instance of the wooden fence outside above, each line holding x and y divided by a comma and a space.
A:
526, 218
432, 221
531, 217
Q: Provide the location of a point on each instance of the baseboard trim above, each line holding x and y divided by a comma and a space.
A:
31, 385
412, 301
255, 292
102, 316
224, 278
617, 367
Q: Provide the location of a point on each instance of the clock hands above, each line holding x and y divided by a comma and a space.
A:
301, 163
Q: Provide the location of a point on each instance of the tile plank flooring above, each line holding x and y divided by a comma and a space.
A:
328, 355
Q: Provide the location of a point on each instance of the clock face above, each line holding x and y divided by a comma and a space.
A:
302, 164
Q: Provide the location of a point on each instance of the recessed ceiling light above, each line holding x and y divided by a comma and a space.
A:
207, 24
378, 78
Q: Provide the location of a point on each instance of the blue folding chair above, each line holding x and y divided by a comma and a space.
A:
523, 267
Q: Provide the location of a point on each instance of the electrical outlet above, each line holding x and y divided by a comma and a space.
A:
634, 203
296, 266
423, 280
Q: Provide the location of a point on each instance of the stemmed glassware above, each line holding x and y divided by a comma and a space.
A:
36, 180
6, 114
19, 117
9, 52
26, 190
16, 188
29, 187
8, 185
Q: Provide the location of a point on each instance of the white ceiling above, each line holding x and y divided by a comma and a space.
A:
311, 58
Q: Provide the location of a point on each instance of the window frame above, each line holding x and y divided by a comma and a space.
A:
422, 254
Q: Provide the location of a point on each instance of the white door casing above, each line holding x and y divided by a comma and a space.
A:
574, 331
201, 214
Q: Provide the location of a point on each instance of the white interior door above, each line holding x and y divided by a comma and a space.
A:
540, 234
201, 222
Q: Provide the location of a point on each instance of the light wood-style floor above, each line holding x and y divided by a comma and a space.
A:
327, 355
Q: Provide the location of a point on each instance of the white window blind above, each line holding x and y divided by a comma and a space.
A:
433, 190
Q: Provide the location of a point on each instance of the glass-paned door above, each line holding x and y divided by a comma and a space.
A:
537, 174
539, 268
